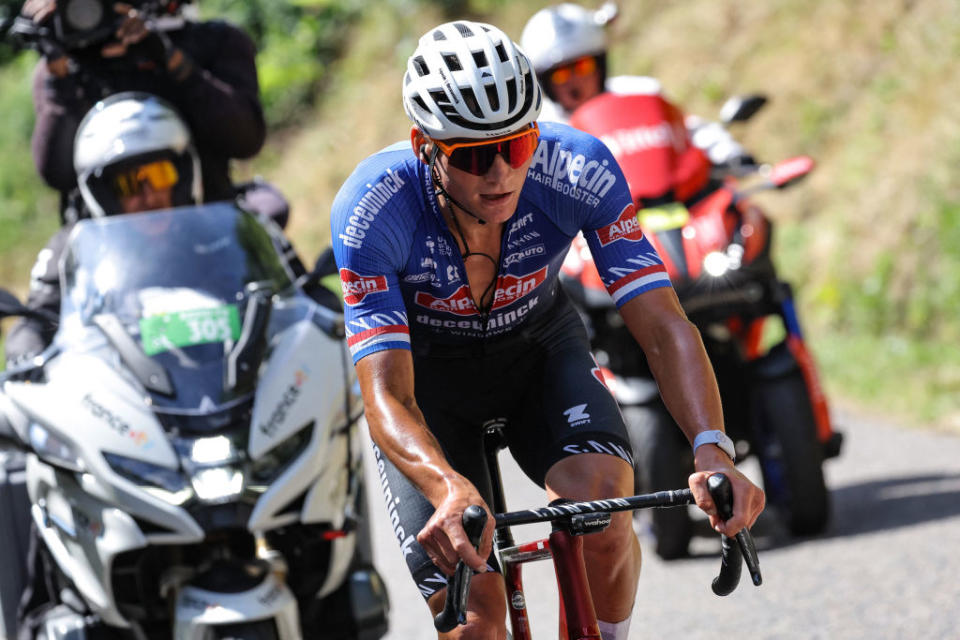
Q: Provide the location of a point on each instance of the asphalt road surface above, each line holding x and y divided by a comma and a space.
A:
887, 567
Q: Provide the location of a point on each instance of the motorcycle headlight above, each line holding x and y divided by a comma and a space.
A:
279, 458
716, 263
217, 484
213, 450
51, 448
167, 484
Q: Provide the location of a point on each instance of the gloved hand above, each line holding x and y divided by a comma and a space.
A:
39, 11
716, 142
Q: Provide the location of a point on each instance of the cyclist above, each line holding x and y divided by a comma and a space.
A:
567, 45
206, 69
448, 258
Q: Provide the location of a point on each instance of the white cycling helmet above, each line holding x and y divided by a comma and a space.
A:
565, 32
129, 129
469, 80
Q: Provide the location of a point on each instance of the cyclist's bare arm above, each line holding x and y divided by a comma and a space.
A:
689, 389
398, 427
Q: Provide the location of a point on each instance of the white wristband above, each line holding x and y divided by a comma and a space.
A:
717, 437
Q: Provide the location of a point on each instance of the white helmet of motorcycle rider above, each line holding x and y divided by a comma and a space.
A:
469, 80
133, 152
561, 34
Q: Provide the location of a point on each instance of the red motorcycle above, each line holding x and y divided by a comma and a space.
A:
715, 244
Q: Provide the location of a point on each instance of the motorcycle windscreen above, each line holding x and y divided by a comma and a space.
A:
647, 136
178, 282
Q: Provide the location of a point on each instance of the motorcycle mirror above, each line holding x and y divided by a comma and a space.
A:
606, 14
10, 305
9, 438
741, 108
788, 171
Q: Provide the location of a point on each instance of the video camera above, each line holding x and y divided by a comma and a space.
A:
76, 24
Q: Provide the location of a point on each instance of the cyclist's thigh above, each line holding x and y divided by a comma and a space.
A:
569, 413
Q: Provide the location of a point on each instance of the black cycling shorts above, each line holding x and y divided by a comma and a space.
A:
543, 385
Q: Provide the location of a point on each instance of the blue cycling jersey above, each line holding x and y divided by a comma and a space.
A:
403, 277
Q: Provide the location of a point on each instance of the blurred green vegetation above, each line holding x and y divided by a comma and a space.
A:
871, 240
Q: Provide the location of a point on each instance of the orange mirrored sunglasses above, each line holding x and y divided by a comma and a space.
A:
159, 175
580, 67
477, 156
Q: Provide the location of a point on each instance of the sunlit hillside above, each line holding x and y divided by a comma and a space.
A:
872, 239
869, 89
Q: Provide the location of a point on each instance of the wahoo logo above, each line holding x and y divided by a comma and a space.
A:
625, 227
356, 287
368, 206
577, 415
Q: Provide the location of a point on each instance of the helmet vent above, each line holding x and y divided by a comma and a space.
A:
480, 58
464, 30
421, 66
439, 97
470, 99
452, 62
493, 98
511, 95
501, 52
439, 35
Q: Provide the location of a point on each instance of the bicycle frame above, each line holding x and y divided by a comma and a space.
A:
578, 619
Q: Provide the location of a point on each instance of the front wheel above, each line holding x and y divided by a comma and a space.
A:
662, 462
790, 454
262, 630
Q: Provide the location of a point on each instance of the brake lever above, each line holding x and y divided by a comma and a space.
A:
458, 588
722, 493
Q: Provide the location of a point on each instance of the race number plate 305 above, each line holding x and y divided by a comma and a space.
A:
167, 331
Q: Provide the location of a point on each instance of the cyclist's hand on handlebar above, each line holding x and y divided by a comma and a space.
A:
748, 499
443, 537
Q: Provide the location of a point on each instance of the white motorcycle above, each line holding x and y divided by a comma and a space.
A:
193, 458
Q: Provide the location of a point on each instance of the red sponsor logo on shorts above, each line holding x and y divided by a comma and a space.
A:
510, 289
625, 227
356, 286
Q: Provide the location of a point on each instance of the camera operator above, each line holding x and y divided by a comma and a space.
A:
205, 69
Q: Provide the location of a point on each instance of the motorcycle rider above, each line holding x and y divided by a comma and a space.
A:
567, 45
448, 333
206, 70
134, 152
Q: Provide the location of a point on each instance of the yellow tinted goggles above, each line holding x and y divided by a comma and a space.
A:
159, 175
580, 67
